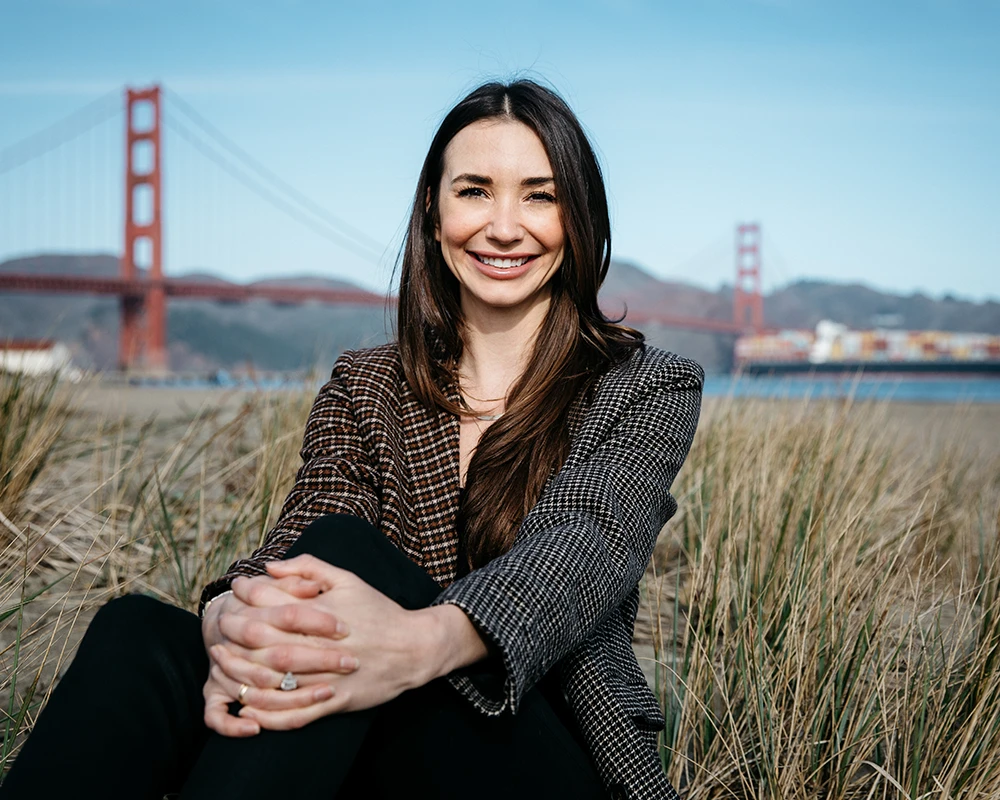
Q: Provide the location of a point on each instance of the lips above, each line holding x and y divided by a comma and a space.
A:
502, 268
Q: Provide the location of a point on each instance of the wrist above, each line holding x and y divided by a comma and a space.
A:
210, 618
446, 640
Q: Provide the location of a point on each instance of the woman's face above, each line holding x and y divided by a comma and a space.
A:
500, 228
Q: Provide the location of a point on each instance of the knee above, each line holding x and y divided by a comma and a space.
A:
337, 539
127, 612
145, 650
136, 623
353, 544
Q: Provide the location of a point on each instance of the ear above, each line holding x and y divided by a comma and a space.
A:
427, 208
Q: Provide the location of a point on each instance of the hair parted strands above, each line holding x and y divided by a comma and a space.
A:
576, 344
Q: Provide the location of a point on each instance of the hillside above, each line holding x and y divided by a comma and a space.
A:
206, 335
202, 335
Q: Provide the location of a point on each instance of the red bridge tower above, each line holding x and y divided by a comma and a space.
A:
143, 312
747, 296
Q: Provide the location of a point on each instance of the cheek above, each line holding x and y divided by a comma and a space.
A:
452, 240
456, 233
554, 233
450, 228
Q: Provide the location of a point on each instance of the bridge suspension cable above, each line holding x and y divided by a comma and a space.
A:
267, 195
270, 187
59, 187
712, 256
776, 262
59, 133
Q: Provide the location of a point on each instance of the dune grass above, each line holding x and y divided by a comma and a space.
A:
823, 609
32, 419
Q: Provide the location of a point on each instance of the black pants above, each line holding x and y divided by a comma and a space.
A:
126, 719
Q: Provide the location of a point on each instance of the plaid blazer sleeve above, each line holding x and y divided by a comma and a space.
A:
587, 542
336, 477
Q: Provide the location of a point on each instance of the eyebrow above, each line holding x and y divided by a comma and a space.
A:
482, 180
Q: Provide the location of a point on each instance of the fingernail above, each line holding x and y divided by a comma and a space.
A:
349, 662
251, 727
343, 628
322, 693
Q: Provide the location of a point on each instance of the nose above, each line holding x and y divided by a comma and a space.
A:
505, 222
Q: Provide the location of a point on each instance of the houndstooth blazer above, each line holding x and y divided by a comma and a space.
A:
566, 595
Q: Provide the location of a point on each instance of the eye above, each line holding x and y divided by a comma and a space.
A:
472, 191
543, 197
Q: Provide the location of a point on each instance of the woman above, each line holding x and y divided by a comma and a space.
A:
445, 606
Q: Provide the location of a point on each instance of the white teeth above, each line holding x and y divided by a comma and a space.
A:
504, 263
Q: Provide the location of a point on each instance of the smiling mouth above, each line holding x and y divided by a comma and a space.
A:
502, 263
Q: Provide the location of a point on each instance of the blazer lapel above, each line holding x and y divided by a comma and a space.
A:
432, 452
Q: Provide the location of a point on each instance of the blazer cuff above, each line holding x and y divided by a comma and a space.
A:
213, 590
248, 569
497, 684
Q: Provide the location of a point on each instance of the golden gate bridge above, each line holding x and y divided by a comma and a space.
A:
143, 289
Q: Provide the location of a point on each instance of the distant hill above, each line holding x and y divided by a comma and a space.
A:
202, 335
804, 303
206, 335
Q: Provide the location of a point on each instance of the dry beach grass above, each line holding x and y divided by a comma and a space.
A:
821, 615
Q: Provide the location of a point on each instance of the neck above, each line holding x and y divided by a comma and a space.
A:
498, 343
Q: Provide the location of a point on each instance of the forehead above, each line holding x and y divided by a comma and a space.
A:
496, 149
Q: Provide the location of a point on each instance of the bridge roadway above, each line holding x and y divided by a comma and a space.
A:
240, 293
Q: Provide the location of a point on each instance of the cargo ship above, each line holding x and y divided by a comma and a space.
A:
834, 349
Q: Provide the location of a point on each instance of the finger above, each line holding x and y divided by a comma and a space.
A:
293, 718
242, 670
309, 567
248, 632
299, 659
299, 587
272, 699
304, 618
303, 678
252, 633
218, 718
260, 591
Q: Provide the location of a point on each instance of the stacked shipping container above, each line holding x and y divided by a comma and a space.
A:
834, 344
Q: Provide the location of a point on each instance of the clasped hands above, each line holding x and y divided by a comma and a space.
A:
348, 645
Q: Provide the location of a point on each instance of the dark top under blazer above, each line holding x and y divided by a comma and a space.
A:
565, 596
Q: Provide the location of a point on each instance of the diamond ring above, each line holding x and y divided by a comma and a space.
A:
288, 683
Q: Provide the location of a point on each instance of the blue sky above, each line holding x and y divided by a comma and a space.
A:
861, 135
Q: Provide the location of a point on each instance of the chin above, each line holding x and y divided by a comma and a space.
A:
500, 302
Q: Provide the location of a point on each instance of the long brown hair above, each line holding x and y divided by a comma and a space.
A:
577, 343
